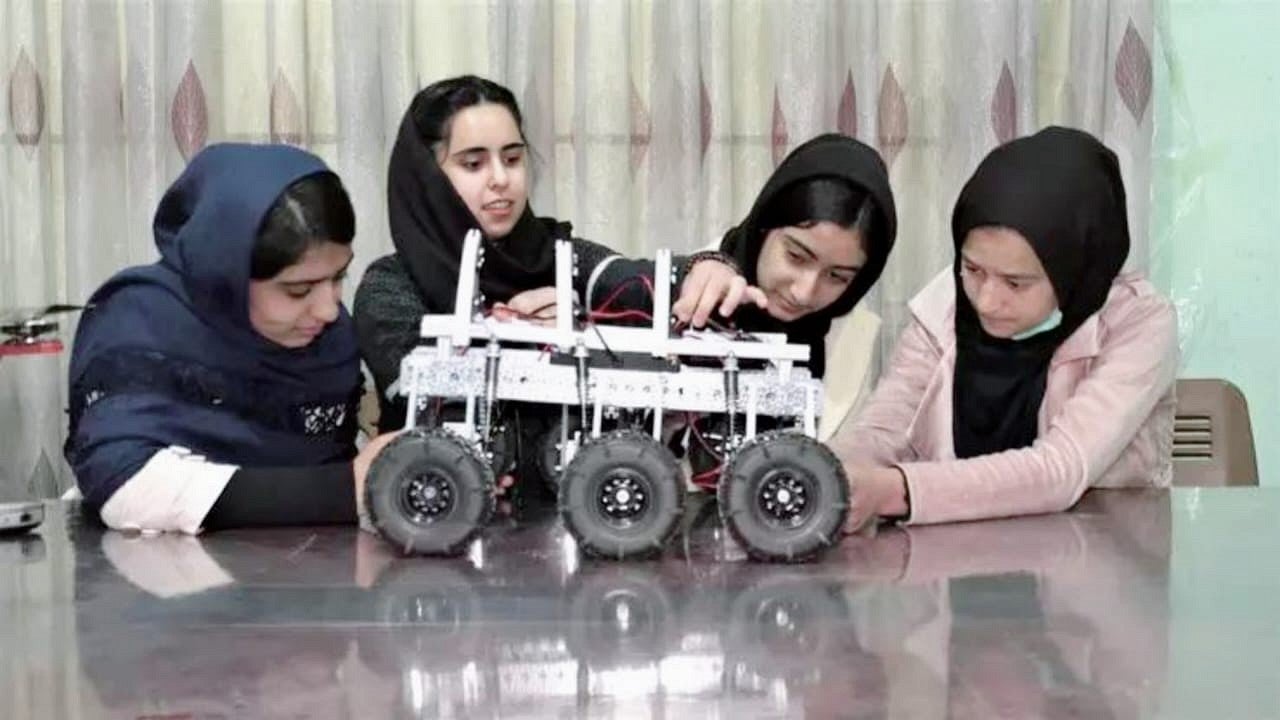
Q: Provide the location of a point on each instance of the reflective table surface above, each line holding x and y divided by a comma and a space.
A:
1134, 604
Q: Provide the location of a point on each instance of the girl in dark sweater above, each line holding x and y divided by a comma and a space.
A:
461, 162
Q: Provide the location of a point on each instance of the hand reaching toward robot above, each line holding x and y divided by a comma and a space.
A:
361, 463
711, 283
711, 286
875, 492
537, 306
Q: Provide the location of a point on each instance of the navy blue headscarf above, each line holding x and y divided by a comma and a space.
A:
167, 356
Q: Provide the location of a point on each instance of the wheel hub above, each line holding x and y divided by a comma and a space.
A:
784, 498
622, 496
428, 496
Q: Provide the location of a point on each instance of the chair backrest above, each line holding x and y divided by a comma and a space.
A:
1212, 436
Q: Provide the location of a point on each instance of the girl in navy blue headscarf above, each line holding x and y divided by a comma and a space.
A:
218, 386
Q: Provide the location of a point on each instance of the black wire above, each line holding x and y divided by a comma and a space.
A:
612, 355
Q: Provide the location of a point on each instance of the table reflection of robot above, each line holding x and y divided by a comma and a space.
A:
782, 494
622, 637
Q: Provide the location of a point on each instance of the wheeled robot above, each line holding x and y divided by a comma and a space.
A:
781, 493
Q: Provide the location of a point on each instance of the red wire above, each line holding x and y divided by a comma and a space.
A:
613, 296
621, 314
707, 478
601, 310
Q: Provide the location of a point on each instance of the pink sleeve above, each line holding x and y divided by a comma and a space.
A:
878, 435
1134, 369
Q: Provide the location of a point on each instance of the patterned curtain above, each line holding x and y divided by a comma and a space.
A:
653, 122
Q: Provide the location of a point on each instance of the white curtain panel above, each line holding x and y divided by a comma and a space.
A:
653, 122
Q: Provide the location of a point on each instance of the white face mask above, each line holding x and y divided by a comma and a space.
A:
1049, 323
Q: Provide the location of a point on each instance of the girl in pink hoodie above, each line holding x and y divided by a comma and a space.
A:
1033, 368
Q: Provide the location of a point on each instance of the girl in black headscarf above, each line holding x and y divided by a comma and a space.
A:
814, 243
460, 162
1034, 368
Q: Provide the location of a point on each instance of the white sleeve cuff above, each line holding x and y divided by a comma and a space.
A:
174, 491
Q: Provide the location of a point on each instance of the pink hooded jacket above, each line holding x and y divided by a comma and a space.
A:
1106, 419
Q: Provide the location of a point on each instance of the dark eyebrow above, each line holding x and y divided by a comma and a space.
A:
480, 149
1005, 276
796, 244
814, 256
310, 281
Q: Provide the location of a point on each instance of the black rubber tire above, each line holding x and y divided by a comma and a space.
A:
804, 465
620, 615
453, 464
645, 465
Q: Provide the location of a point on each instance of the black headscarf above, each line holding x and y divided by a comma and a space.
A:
429, 220
826, 156
1062, 190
